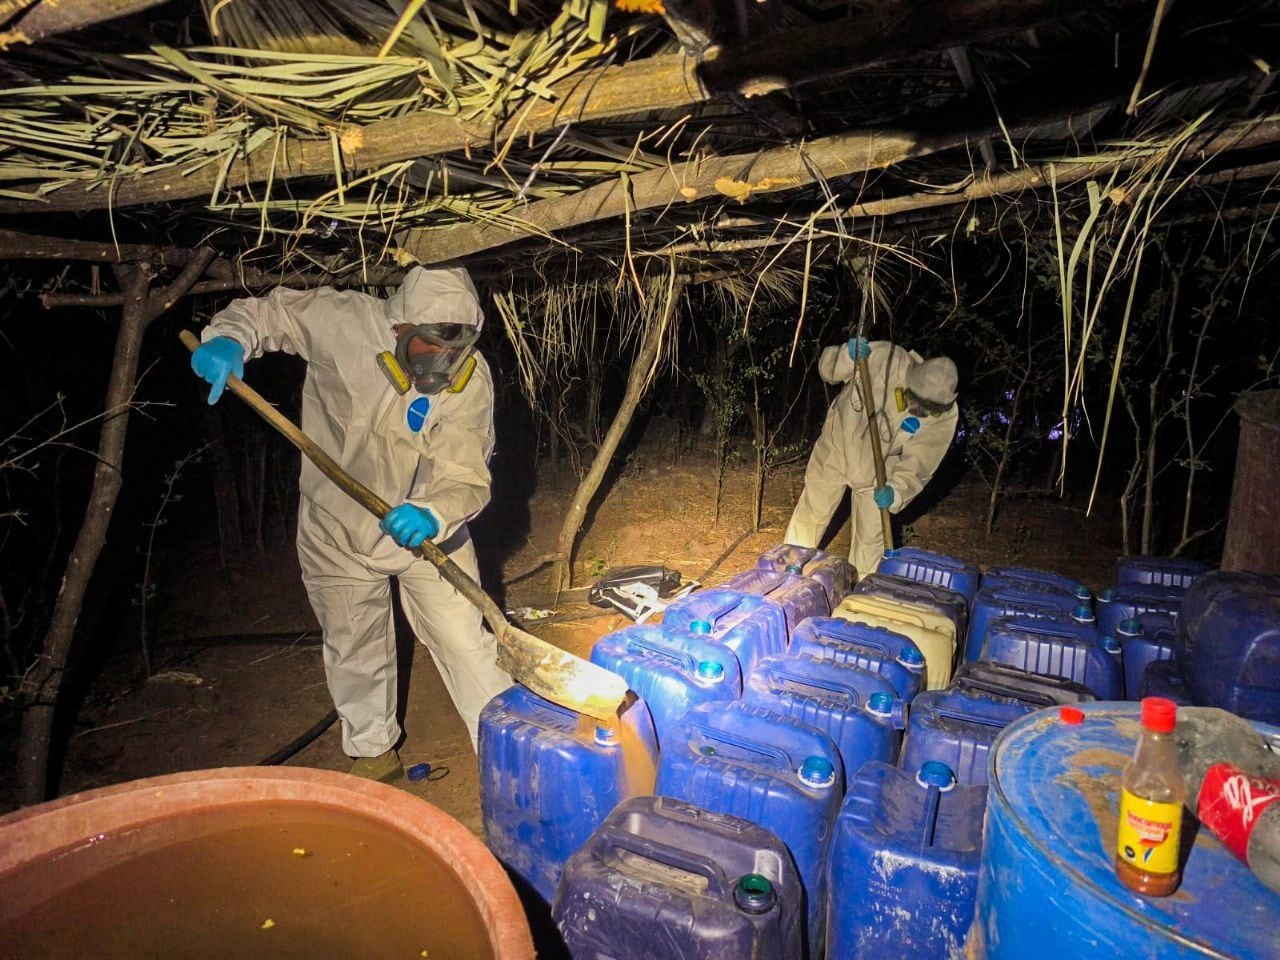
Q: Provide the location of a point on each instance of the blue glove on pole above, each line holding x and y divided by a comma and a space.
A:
859, 348
410, 525
217, 360
884, 497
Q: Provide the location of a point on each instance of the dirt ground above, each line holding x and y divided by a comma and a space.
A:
237, 669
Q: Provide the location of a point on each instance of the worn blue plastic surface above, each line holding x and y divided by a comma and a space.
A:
748, 624
1011, 600
1139, 649
1069, 650
944, 600
741, 760
1228, 644
838, 699
670, 670
1030, 577
938, 569
663, 878
1047, 885
1127, 600
999, 681
957, 729
889, 654
904, 867
830, 570
547, 780
1163, 679
798, 596
1161, 571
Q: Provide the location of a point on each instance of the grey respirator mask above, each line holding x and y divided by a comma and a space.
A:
432, 357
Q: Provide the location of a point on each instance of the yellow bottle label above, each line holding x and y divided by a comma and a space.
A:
1149, 833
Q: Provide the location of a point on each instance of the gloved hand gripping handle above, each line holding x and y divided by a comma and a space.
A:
545, 669
877, 452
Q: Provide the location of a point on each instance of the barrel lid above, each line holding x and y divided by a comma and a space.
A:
1055, 791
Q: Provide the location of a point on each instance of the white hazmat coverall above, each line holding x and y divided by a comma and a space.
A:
843, 457
438, 461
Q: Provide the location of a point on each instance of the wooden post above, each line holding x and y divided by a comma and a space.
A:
39, 689
642, 369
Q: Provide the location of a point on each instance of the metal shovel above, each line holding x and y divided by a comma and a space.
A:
545, 669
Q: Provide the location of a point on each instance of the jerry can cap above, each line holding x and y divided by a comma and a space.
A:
754, 893
793, 568
700, 627
818, 772
935, 773
880, 703
1081, 592
911, 657
1108, 595
606, 736
1111, 644
1129, 627
712, 671
1082, 614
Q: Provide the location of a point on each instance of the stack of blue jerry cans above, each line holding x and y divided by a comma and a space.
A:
750, 625
800, 597
1023, 593
834, 573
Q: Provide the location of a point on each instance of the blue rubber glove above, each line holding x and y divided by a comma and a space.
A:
884, 497
859, 348
410, 525
216, 360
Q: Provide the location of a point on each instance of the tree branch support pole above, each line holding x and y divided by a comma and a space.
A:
642, 371
40, 687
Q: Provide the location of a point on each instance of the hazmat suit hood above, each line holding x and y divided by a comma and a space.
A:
435, 296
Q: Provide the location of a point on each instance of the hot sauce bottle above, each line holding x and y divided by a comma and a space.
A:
1151, 797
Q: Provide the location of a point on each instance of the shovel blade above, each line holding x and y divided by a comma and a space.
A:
560, 677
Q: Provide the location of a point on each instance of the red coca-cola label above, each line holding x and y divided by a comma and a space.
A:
1231, 802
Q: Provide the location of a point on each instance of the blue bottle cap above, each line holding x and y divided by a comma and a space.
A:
700, 627
1111, 644
1082, 614
754, 894
892, 552
911, 657
1081, 592
606, 736
935, 773
817, 772
710, 670
1108, 595
419, 771
1129, 627
880, 703
792, 568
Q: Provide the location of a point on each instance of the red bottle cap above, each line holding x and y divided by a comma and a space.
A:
1071, 715
1159, 714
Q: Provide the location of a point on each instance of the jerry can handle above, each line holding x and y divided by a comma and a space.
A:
664, 853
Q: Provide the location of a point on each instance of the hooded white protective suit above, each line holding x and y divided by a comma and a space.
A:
842, 457
429, 451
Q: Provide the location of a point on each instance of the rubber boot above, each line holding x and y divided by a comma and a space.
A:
385, 767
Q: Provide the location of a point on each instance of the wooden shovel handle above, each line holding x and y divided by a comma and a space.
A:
877, 452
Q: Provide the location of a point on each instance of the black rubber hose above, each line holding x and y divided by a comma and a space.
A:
295, 746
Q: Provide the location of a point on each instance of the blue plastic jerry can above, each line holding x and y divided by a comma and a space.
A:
779, 773
1164, 679
877, 649
1159, 571
1139, 648
904, 864
1133, 600
1031, 577
830, 570
858, 709
999, 681
799, 597
549, 777
1025, 601
664, 878
957, 729
670, 670
752, 626
944, 600
1071, 650
932, 568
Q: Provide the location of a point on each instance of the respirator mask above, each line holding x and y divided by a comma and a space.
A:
431, 357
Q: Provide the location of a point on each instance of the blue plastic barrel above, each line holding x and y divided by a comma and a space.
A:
723, 888
549, 777
1030, 577
1228, 645
798, 596
1069, 650
957, 729
944, 600
889, 654
1132, 600
1011, 600
1047, 884
1160, 571
935, 568
830, 570
748, 624
779, 773
856, 708
670, 670
904, 864
1139, 649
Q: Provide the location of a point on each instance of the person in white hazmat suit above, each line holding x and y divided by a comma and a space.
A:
419, 433
916, 414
